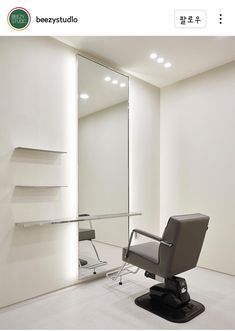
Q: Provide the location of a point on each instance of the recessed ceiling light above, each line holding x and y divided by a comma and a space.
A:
114, 81
122, 85
167, 65
107, 79
160, 60
153, 56
84, 96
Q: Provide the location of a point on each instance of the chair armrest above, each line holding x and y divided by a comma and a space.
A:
148, 235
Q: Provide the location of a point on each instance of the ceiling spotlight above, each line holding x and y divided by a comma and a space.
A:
160, 60
122, 85
167, 65
114, 82
84, 96
107, 79
153, 56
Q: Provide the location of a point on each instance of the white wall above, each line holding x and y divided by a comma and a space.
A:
38, 91
198, 160
144, 101
103, 170
38, 108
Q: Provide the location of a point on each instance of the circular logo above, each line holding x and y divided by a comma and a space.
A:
19, 18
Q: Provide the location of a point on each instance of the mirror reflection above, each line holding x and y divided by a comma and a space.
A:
102, 165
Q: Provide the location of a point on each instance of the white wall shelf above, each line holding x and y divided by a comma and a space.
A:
76, 219
40, 150
40, 186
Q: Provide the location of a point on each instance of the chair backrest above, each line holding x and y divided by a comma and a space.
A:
186, 233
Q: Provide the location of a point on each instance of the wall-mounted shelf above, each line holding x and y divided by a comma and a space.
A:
39, 150
76, 219
40, 186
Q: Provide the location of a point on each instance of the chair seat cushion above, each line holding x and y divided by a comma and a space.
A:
144, 256
86, 234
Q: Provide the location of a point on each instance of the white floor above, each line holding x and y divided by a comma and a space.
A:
102, 304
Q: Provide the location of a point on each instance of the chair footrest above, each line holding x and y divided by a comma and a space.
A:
178, 315
95, 265
125, 269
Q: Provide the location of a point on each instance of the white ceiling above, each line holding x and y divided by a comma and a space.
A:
101, 94
189, 55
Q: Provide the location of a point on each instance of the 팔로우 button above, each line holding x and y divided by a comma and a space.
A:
190, 19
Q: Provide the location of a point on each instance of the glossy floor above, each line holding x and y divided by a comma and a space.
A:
102, 304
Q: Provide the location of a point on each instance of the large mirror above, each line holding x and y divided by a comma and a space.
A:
102, 165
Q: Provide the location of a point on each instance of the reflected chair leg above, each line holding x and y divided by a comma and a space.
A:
85, 264
97, 255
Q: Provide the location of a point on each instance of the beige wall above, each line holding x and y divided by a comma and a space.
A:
37, 109
198, 160
144, 154
103, 171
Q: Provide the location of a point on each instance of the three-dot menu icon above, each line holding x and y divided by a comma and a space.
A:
220, 18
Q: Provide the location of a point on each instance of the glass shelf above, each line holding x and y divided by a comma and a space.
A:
40, 186
39, 150
76, 219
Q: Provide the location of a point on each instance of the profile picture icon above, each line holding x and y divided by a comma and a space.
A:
19, 18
